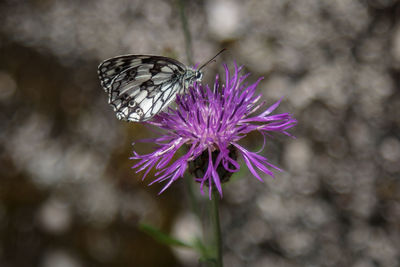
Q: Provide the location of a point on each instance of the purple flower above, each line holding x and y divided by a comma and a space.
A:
210, 122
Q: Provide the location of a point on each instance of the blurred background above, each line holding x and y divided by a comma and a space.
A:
68, 197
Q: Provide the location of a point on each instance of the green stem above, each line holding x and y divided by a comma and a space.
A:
186, 31
215, 201
217, 227
194, 203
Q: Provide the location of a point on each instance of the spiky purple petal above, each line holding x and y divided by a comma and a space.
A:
212, 120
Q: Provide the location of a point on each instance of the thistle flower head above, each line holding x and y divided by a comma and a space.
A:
210, 122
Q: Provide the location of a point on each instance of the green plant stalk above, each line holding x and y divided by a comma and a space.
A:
217, 228
186, 31
214, 212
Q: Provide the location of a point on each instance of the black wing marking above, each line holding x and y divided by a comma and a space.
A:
110, 68
139, 86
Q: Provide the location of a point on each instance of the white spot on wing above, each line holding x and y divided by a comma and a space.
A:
166, 69
142, 95
146, 105
133, 117
157, 107
161, 77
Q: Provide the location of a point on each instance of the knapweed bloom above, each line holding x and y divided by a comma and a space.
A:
209, 122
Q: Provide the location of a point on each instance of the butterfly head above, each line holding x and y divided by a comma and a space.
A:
192, 76
198, 75
195, 75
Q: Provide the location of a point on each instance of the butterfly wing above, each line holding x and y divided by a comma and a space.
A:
140, 86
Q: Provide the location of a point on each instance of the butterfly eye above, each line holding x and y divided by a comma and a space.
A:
199, 75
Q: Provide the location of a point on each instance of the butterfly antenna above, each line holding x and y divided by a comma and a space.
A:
213, 59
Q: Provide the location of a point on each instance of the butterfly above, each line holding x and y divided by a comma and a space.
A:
140, 86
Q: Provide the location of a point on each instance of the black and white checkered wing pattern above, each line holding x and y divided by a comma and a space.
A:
140, 86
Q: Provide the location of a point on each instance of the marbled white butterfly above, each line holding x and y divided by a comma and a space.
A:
140, 86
